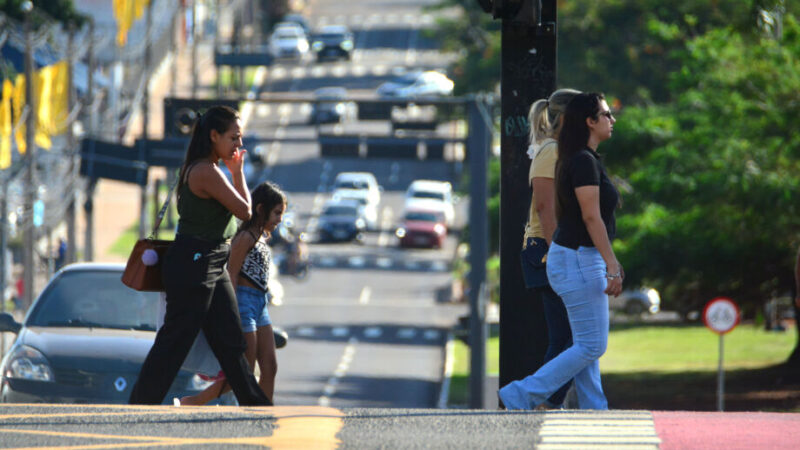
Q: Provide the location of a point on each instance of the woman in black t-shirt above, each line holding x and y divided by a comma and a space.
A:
581, 265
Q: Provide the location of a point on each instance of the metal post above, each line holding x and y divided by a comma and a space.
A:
88, 206
71, 203
145, 116
3, 248
30, 172
480, 124
528, 73
194, 48
721, 376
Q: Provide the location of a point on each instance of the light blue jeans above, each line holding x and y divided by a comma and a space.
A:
579, 278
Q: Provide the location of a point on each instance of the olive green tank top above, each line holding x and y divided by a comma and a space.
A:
203, 218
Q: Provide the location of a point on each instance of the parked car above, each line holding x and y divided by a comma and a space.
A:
635, 302
341, 220
422, 228
331, 106
84, 341
359, 180
431, 195
288, 41
333, 42
369, 208
427, 83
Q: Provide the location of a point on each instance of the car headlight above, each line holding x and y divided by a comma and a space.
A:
198, 383
302, 46
360, 223
401, 233
27, 363
439, 229
346, 45
318, 46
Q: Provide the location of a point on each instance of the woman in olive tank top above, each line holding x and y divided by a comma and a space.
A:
199, 292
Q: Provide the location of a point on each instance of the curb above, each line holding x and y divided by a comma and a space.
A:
449, 358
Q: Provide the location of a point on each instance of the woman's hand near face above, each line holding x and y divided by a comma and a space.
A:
235, 164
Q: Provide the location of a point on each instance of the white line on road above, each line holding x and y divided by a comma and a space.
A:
363, 299
386, 224
329, 390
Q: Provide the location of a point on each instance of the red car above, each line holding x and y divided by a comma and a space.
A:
422, 228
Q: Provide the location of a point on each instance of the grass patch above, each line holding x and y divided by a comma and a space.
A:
671, 367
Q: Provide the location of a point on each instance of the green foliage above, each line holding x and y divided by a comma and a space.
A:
715, 174
62, 11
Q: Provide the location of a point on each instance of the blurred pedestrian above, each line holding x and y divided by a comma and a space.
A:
61, 253
199, 292
249, 272
545, 118
581, 265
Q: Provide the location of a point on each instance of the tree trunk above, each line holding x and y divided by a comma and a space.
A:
794, 358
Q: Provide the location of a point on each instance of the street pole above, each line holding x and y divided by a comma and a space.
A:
71, 203
528, 73
145, 117
194, 48
30, 172
88, 206
480, 139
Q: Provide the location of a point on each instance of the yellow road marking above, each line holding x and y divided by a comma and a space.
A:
295, 427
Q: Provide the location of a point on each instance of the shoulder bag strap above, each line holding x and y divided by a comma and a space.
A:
164, 207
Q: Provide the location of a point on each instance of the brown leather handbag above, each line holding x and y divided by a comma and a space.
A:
143, 271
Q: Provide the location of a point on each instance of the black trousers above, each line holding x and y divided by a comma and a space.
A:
199, 296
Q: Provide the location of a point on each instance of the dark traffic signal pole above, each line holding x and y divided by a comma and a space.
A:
528, 73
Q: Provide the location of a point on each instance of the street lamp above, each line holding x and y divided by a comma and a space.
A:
30, 124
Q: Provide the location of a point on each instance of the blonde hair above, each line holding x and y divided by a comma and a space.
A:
545, 114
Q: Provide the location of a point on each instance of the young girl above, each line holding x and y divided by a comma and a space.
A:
249, 271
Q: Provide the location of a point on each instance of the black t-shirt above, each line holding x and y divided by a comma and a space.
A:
583, 169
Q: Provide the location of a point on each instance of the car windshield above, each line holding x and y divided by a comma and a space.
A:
340, 211
422, 217
331, 36
428, 194
95, 299
407, 79
351, 184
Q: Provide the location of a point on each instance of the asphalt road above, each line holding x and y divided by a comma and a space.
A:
365, 327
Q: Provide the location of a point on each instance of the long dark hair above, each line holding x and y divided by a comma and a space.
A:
268, 195
574, 134
219, 118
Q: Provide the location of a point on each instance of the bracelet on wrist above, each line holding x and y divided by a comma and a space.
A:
612, 276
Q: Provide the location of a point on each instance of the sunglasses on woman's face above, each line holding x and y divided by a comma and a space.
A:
607, 114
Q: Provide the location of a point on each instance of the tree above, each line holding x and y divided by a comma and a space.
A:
62, 11
714, 175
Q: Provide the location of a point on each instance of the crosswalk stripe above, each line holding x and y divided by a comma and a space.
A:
587, 429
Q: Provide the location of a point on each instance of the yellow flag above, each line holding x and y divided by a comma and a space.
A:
126, 12
19, 105
42, 90
59, 107
5, 124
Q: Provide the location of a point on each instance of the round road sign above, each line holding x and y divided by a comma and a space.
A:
721, 315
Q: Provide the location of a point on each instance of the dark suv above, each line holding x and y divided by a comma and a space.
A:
333, 42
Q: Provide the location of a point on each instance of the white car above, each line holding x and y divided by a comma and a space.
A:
361, 196
431, 195
427, 83
288, 42
362, 181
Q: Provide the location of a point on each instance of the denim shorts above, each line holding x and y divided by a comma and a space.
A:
252, 308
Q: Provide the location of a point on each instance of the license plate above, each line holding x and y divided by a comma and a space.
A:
340, 234
420, 240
